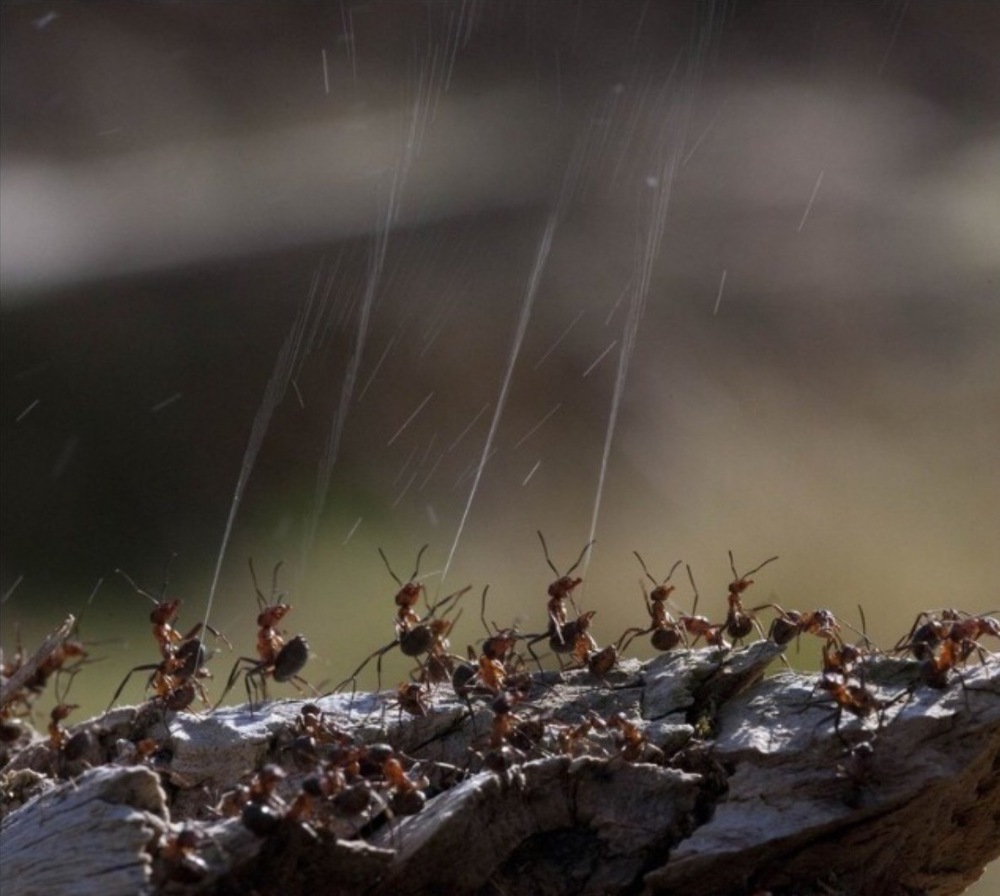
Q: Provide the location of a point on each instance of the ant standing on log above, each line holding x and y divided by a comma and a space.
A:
175, 679
280, 660
564, 636
739, 622
415, 635
666, 633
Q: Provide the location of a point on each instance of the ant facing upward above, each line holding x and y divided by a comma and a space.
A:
276, 658
175, 679
415, 635
164, 615
739, 622
564, 636
666, 633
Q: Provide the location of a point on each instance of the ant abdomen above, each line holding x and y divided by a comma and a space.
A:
291, 659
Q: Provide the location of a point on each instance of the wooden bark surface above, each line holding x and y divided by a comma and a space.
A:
750, 789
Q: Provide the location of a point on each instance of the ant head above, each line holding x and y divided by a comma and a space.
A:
561, 588
271, 614
661, 592
740, 583
409, 594
165, 612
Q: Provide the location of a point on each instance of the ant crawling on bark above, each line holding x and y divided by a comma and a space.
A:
739, 622
276, 658
666, 633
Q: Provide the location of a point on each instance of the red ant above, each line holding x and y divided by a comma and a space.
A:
561, 589
415, 636
559, 630
700, 626
163, 617
666, 633
175, 679
953, 625
177, 856
634, 745
275, 658
789, 624
739, 623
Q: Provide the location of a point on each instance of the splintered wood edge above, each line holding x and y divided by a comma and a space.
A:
789, 806
12, 685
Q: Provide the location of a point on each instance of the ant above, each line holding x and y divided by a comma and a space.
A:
561, 589
426, 635
164, 615
739, 623
563, 634
280, 660
789, 624
409, 592
575, 639
952, 625
635, 745
175, 679
666, 633
700, 626
177, 856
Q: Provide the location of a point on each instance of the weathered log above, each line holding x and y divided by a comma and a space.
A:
743, 784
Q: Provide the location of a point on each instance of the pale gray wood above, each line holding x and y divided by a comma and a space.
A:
761, 793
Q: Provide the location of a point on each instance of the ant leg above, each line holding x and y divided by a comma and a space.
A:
635, 633
534, 640
232, 678
121, 687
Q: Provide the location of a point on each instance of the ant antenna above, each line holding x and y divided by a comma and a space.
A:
416, 570
482, 611
137, 589
262, 601
737, 576
579, 559
694, 609
649, 575
545, 549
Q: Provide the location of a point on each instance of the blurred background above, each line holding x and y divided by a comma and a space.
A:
680, 277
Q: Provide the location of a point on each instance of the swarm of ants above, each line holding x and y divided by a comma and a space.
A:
329, 780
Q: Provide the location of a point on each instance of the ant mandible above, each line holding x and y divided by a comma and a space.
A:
666, 633
739, 622
275, 658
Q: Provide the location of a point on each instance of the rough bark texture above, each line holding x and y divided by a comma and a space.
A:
747, 784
